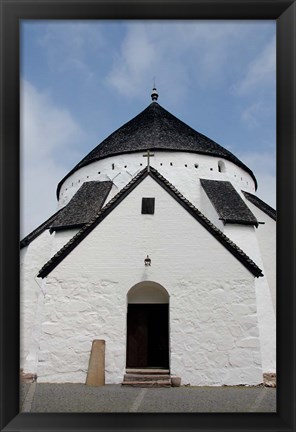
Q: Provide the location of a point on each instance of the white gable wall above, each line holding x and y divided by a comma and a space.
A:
266, 235
212, 297
32, 258
61, 237
245, 236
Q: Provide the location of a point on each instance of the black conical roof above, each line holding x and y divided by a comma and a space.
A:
156, 129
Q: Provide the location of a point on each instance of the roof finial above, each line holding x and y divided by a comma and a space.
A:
154, 94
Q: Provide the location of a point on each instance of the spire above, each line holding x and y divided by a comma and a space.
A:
154, 94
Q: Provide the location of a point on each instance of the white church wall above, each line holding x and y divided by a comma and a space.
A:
23, 253
180, 168
209, 289
24, 319
77, 312
217, 338
246, 238
33, 257
266, 235
243, 236
62, 237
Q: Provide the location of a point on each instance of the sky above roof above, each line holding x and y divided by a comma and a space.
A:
81, 80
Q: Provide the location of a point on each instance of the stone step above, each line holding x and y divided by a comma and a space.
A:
148, 371
157, 383
146, 377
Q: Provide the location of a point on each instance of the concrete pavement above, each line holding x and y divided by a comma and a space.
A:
58, 398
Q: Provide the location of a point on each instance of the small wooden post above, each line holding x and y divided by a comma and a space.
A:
96, 366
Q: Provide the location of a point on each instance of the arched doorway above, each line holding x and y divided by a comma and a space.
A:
147, 326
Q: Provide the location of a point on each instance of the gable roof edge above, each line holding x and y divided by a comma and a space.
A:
87, 228
260, 204
37, 231
186, 204
206, 223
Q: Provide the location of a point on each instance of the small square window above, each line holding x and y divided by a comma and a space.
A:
148, 205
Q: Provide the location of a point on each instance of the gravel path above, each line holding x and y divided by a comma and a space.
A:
58, 398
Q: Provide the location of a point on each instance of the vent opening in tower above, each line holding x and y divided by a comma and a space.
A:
221, 166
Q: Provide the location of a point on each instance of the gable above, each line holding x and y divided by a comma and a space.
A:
128, 211
173, 239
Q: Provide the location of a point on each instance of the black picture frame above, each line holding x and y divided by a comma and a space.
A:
284, 12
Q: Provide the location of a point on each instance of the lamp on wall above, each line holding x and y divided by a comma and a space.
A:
147, 261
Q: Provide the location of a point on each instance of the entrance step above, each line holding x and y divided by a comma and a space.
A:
148, 371
147, 378
145, 384
142, 377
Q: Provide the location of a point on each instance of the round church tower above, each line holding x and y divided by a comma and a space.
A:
178, 152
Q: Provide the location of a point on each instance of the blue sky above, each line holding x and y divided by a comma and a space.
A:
81, 80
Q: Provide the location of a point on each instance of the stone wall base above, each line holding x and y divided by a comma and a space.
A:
269, 379
27, 377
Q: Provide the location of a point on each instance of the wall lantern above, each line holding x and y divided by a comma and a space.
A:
147, 261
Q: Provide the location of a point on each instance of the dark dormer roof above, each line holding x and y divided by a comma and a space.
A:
227, 202
260, 204
156, 129
187, 205
84, 205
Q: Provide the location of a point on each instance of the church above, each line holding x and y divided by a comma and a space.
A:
161, 252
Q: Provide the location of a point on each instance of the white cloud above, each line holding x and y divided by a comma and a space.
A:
67, 45
135, 59
175, 53
260, 73
258, 112
251, 113
263, 166
38, 201
267, 188
256, 89
46, 132
205, 52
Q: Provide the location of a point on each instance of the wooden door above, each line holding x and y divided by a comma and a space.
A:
147, 336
